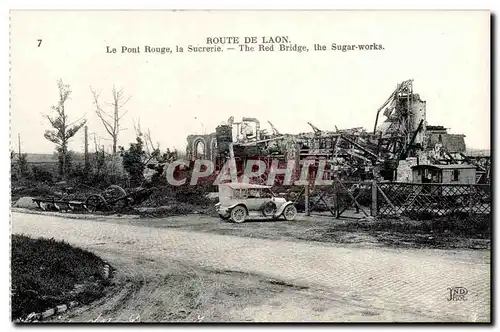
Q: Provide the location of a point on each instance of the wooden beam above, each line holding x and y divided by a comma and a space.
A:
360, 147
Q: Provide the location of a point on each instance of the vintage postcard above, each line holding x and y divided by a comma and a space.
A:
250, 166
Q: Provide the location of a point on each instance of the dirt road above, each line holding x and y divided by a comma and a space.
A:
331, 283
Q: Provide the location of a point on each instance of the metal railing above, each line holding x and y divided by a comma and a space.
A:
426, 200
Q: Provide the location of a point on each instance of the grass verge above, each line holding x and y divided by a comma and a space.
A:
47, 273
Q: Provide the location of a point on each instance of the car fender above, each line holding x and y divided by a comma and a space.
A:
282, 208
229, 208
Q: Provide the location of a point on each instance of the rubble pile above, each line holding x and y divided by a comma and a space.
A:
400, 140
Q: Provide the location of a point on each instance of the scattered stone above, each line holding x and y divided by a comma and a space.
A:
73, 304
48, 313
62, 308
106, 271
33, 316
212, 195
25, 202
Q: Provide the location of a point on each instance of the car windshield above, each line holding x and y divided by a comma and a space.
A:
254, 193
240, 193
260, 193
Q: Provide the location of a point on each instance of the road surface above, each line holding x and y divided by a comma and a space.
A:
390, 284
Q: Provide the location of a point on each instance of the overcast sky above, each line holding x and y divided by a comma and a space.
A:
446, 53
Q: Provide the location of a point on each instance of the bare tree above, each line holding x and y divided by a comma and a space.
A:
111, 121
62, 130
149, 147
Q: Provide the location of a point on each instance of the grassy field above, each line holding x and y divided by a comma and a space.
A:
47, 273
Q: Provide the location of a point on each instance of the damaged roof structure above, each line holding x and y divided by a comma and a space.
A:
400, 139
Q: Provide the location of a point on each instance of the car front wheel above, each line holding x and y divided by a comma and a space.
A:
238, 214
290, 212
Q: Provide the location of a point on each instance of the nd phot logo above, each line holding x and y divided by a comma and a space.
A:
457, 293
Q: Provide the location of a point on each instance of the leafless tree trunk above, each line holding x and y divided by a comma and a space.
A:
149, 147
111, 121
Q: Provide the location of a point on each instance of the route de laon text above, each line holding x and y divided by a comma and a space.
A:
248, 40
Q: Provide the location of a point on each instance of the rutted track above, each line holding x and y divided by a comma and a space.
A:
360, 284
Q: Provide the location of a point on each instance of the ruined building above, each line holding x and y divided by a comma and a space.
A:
400, 140
438, 135
202, 146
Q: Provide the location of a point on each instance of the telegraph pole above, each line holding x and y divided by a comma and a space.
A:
19, 145
87, 164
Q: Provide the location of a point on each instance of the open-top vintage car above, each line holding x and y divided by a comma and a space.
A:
241, 201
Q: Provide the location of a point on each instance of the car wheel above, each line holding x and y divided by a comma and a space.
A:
96, 203
290, 212
238, 214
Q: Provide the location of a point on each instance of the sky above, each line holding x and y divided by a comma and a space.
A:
446, 53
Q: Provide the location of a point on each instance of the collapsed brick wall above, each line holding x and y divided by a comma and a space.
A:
403, 172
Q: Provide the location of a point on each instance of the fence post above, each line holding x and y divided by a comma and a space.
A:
306, 199
471, 201
337, 200
374, 198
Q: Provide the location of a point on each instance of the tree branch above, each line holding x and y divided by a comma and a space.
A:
111, 121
